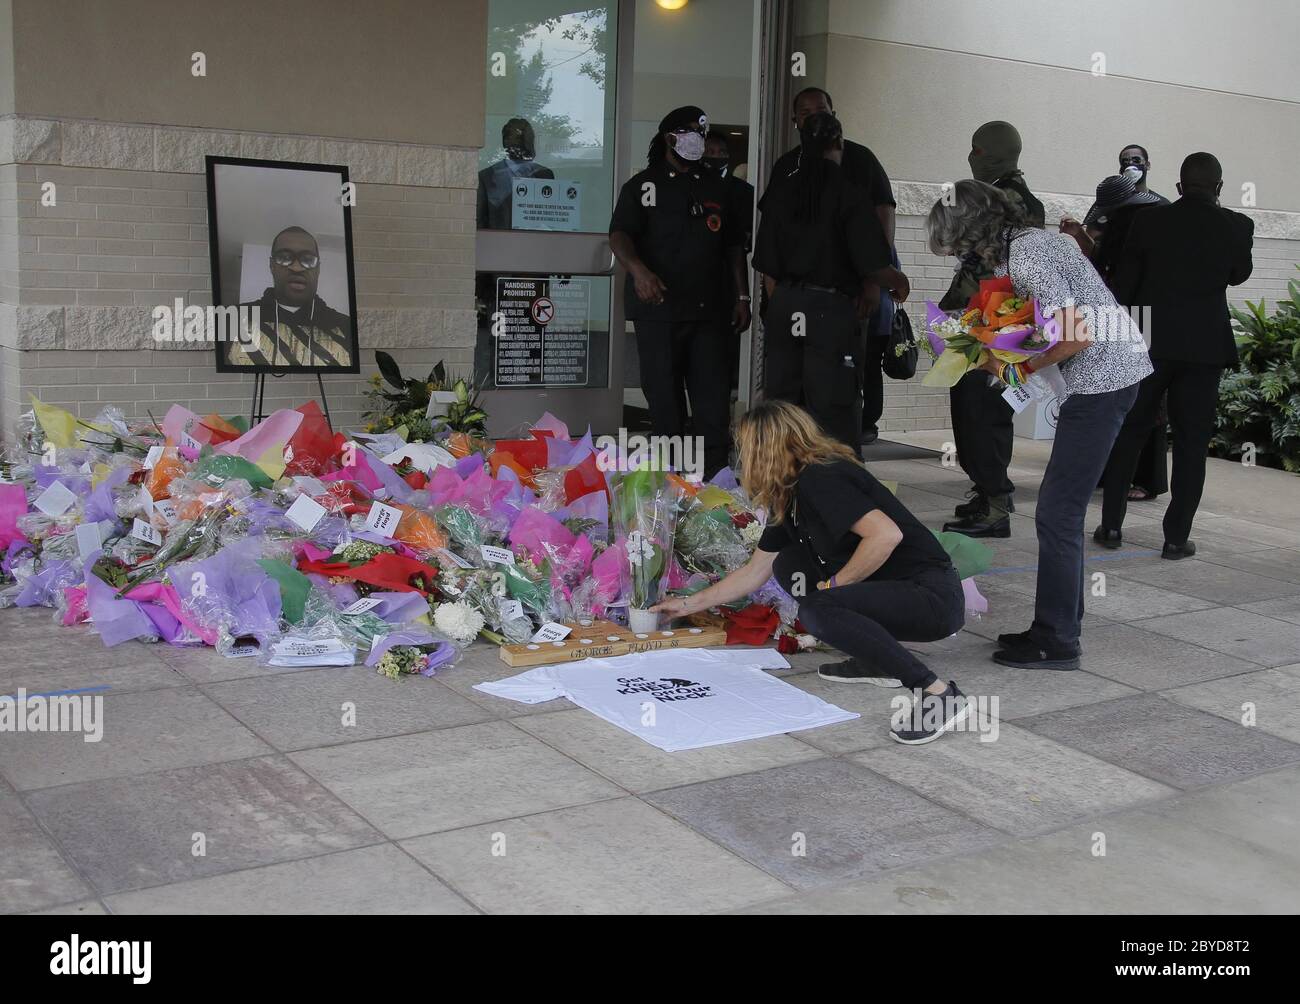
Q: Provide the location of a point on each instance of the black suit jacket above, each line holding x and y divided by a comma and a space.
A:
1179, 261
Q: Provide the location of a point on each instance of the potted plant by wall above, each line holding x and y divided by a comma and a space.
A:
1259, 401
442, 400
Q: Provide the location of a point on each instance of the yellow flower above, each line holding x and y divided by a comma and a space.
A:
370, 427
388, 421
375, 380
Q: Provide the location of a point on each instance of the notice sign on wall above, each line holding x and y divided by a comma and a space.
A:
542, 331
545, 204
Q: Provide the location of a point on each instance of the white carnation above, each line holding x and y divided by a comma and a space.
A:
458, 621
752, 532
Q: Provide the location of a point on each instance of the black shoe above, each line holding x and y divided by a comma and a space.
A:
853, 671
975, 503
989, 523
869, 436
932, 716
1016, 639
1035, 655
1112, 539
1176, 552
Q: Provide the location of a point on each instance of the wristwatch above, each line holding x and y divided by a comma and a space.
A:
745, 298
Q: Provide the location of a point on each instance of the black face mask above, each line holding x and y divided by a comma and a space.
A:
718, 165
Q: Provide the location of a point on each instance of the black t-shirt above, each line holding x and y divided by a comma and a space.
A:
861, 169
829, 499
683, 238
836, 249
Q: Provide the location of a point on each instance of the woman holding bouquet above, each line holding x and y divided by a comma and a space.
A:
1102, 358
866, 573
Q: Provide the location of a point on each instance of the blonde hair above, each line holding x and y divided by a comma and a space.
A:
777, 441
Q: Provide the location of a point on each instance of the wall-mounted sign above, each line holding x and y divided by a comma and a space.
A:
543, 331
546, 204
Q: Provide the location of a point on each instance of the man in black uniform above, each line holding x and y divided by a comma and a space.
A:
982, 422
824, 258
863, 171
676, 229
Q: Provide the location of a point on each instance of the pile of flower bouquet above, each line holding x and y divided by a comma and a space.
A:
297, 545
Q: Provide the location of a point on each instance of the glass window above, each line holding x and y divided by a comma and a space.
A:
548, 158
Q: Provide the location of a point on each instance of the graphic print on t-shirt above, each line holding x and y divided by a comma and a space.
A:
664, 689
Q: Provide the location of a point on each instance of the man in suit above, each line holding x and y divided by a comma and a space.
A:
1177, 263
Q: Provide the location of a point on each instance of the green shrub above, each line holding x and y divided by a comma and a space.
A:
1259, 401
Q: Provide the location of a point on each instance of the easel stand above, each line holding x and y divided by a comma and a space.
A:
257, 411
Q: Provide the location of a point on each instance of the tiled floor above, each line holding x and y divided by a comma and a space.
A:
1164, 777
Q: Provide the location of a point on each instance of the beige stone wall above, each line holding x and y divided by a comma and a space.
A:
129, 230
398, 70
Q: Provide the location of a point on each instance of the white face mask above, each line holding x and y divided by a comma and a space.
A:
688, 145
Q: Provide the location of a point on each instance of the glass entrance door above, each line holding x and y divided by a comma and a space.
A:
544, 289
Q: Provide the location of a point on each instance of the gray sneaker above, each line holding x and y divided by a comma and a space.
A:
852, 671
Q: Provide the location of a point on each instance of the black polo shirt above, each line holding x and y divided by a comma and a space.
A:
836, 249
861, 169
687, 250
829, 499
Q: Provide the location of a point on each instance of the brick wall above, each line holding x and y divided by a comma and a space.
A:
78, 279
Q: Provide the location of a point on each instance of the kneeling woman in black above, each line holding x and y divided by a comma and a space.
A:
867, 575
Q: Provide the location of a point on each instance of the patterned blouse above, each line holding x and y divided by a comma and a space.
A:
1051, 269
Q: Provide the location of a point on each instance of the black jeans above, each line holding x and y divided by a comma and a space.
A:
868, 619
813, 345
1193, 390
1085, 433
688, 358
873, 381
982, 431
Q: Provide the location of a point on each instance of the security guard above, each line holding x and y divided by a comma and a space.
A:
676, 229
824, 258
863, 170
982, 422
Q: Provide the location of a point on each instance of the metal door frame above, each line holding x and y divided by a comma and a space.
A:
541, 252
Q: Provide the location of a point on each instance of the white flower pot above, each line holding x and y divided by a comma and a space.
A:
642, 621
439, 402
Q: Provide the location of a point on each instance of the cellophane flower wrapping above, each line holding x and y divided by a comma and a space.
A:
646, 505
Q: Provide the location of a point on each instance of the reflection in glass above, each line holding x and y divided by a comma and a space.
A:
549, 99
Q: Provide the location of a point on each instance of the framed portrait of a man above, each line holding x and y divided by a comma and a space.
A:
280, 237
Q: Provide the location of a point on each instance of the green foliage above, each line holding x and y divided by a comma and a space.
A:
408, 402
1259, 402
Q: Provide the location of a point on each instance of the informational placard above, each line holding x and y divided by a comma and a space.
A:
546, 204
542, 331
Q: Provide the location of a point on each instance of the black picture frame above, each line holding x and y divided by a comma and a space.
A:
224, 364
